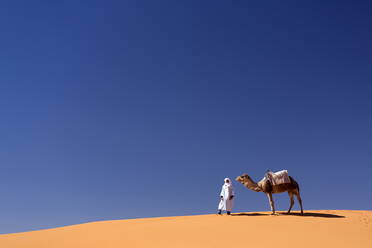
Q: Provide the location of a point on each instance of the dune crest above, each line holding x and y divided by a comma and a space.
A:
325, 228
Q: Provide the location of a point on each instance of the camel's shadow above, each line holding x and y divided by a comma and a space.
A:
320, 215
306, 214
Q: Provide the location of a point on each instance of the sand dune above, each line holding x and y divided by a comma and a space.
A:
327, 228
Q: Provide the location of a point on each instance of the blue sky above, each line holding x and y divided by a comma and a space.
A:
125, 109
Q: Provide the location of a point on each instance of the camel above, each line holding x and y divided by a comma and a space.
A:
265, 186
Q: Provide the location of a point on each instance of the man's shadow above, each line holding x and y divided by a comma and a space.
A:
306, 214
249, 214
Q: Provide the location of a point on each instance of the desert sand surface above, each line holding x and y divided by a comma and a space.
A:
326, 228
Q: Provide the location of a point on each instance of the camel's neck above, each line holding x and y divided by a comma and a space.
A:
250, 184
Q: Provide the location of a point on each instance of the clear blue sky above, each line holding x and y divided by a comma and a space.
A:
123, 109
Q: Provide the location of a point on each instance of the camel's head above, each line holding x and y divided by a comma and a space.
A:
243, 178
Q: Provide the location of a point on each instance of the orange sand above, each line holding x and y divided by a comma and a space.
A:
327, 228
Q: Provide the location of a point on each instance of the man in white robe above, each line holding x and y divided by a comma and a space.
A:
227, 197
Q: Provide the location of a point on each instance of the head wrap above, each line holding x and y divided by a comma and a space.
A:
227, 182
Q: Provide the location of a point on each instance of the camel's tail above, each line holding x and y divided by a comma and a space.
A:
297, 186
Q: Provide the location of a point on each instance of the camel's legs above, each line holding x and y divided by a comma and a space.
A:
292, 201
300, 201
270, 196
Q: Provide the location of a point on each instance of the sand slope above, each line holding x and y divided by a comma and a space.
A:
328, 228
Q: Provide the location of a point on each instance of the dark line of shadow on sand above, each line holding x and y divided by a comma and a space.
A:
306, 214
249, 214
319, 215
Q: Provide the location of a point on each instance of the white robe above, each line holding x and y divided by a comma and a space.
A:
226, 203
